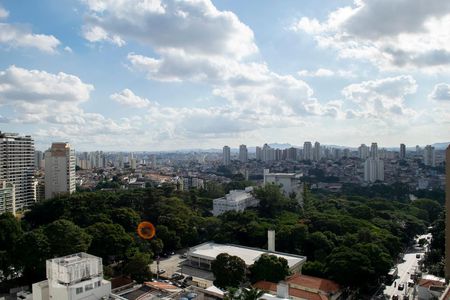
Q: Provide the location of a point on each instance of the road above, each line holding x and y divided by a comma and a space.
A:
405, 269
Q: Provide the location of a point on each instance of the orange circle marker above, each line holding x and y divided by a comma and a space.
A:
146, 230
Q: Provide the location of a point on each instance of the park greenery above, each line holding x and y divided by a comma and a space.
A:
350, 238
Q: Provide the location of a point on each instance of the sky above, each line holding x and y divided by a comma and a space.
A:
158, 75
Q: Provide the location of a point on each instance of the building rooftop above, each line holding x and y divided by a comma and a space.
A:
210, 251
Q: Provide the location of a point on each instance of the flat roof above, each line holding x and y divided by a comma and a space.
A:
209, 251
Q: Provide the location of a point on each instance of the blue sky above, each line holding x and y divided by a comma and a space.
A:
164, 75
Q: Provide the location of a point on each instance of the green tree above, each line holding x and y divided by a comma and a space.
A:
34, 250
433, 208
349, 267
314, 268
126, 217
137, 267
66, 238
270, 268
108, 240
228, 270
10, 233
251, 294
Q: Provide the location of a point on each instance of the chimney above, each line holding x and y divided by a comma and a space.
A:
283, 290
271, 240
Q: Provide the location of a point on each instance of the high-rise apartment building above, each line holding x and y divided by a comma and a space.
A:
268, 153
402, 154
7, 198
258, 153
307, 151
17, 167
317, 154
38, 160
429, 156
226, 155
363, 151
373, 170
291, 153
59, 170
374, 151
243, 153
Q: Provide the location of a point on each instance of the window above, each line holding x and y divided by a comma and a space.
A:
79, 290
98, 283
88, 287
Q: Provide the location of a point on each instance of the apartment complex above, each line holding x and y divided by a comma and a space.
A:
17, 167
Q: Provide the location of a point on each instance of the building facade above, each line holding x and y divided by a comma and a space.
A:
307, 151
243, 153
363, 151
7, 198
429, 156
226, 156
402, 154
290, 182
17, 167
235, 200
373, 170
73, 277
59, 170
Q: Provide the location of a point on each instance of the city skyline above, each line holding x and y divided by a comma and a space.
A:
224, 71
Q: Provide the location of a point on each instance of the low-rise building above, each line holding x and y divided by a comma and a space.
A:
201, 256
289, 182
73, 277
235, 200
299, 287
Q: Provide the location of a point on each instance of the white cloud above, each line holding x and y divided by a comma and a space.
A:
128, 98
382, 99
411, 33
3, 13
18, 36
321, 72
441, 92
190, 26
68, 49
38, 95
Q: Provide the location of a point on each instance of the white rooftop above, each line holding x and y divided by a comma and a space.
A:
209, 251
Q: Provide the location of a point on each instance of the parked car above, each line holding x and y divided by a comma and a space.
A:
418, 255
395, 297
161, 271
401, 286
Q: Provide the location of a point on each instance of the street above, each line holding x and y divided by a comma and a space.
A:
405, 269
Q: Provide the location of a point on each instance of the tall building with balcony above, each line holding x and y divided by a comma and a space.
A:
17, 167
373, 170
59, 170
374, 151
307, 151
402, 153
73, 277
317, 153
363, 151
7, 198
243, 153
429, 156
226, 155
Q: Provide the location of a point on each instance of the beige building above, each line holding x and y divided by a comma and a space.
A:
59, 170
